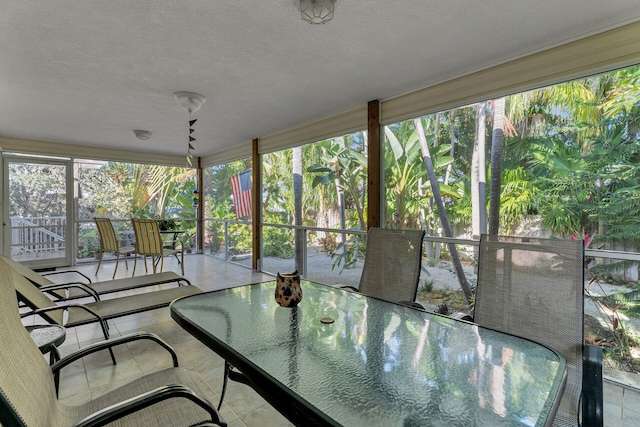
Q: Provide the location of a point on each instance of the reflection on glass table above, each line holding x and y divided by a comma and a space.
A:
341, 358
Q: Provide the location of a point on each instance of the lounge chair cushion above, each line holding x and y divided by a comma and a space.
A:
123, 306
128, 283
102, 288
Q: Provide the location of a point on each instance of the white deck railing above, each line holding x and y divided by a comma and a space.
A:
37, 234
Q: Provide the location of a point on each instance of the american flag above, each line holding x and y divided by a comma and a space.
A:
241, 190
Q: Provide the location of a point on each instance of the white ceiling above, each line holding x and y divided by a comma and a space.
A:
91, 71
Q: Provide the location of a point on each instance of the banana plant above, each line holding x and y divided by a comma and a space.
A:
346, 169
404, 174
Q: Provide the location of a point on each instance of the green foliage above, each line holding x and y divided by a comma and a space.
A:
214, 232
339, 174
88, 243
403, 174
278, 242
625, 301
166, 223
127, 190
240, 241
347, 253
36, 190
425, 285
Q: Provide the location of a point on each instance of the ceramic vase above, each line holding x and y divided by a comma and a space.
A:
288, 289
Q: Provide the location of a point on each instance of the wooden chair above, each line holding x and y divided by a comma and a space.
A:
28, 386
534, 288
109, 242
149, 242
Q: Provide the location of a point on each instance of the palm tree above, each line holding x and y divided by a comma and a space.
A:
479, 174
297, 196
150, 186
495, 189
433, 179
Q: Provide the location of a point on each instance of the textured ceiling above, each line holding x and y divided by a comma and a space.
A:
90, 71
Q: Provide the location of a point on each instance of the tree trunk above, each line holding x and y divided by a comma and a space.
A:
436, 226
496, 166
444, 221
479, 175
339, 189
452, 139
297, 197
429, 249
447, 175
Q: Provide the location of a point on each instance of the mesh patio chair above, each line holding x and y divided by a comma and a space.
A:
392, 265
81, 289
28, 391
149, 243
534, 288
109, 242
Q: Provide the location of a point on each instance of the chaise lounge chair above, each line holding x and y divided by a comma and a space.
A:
97, 311
169, 396
84, 288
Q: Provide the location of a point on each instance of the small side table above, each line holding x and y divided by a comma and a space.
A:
48, 338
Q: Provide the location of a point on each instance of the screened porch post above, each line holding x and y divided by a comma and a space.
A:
374, 164
200, 208
256, 206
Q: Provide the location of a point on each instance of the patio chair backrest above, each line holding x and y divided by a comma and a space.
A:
30, 295
392, 264
33, 276
148, 238
108, 239
533, 288
27, 392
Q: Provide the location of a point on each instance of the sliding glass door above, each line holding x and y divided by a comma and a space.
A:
37, 209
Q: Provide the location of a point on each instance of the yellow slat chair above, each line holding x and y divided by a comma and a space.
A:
109, 242
149, 243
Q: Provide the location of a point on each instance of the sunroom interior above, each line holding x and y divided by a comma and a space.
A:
77, 79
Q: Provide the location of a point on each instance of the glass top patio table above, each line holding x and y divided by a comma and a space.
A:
377, 363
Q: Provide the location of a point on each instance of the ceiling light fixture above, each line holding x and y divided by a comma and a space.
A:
317, 11
190, 102
142, 135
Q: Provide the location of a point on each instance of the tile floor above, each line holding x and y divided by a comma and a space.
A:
243, 407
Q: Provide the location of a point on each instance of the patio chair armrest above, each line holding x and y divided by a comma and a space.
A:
38, 311
183, 279
592, 394
79, 285
461, 315
413, 304
112, 342
43, 310
49, 273
129, 406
